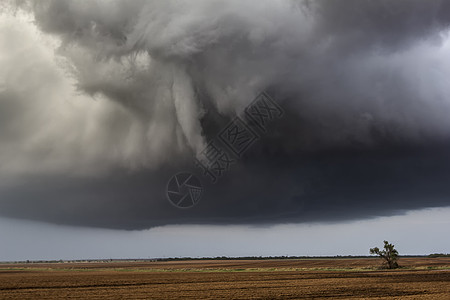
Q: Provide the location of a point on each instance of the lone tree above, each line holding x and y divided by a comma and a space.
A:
389, 254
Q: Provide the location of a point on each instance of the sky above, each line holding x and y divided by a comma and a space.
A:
255, 118
415, 233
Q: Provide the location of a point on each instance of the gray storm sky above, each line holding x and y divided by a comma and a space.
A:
102, 102
418, 232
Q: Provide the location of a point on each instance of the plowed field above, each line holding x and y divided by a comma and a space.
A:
423, 278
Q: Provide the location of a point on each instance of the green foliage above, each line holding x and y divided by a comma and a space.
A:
389, 255
434, 255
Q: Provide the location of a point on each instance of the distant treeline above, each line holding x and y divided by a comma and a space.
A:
275, 257
439, 255
189, 258
217, 258
259, 257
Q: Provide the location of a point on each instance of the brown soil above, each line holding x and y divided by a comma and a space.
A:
265, 279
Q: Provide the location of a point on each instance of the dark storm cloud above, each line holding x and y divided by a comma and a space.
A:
363, 85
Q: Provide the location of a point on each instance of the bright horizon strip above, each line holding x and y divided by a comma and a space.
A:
415, 233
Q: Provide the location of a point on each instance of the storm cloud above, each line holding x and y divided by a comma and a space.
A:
102, 102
